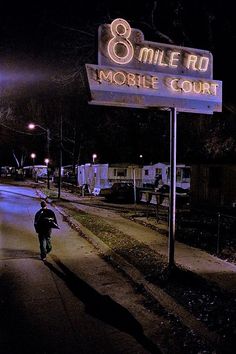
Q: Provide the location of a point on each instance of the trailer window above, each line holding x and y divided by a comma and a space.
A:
120, 172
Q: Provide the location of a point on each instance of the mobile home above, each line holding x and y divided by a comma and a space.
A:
99, 176
150, 173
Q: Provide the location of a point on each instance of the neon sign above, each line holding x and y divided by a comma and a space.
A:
121, 51
129, 79
124, 46
119, 47
133, 72
193, 86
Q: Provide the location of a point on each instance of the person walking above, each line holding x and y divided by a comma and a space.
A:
44, 221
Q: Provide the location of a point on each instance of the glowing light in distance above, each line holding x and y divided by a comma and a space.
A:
94, 157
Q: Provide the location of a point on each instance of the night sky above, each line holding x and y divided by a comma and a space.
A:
36, 33
40, 39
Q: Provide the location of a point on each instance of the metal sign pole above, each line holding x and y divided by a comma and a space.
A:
134, 177
172, 196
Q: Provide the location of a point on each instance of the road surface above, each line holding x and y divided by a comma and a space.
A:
73, 303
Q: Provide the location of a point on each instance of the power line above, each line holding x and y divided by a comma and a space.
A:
19, 131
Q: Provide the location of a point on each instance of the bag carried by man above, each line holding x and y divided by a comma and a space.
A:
51, 223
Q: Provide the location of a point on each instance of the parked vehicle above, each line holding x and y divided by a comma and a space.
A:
121, 191
179, 191
182, 195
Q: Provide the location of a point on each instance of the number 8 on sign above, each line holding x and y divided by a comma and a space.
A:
120, 49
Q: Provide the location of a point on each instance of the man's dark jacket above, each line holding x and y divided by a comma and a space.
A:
41, 220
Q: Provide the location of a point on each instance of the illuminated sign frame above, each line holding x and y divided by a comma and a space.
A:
132, 72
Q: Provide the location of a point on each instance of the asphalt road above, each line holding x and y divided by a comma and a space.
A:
73, 303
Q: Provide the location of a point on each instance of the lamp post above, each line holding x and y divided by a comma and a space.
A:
47, 162
33, 157
134, 179
33, 126
33, 170
94, 157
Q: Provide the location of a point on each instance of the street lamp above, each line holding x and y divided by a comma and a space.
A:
34, 174
47, 162
94, 157
32, 126
33, 157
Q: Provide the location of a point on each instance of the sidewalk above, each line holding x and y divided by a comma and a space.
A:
211, 268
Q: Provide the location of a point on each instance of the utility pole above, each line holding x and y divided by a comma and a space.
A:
60, 160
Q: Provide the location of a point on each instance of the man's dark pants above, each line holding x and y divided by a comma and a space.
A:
45, 243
